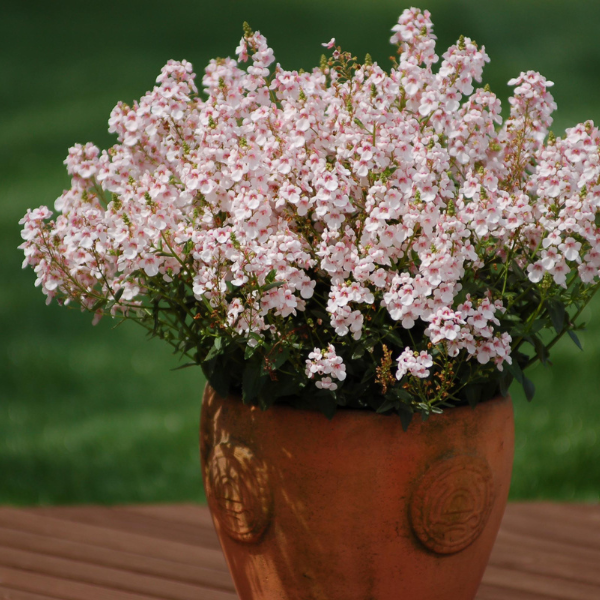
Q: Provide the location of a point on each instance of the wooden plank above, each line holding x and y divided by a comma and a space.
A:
574, 534
197, 516
136, 563
64, 589
548, 525
577, 515
492, 592
180, 513
109, 518
549, 587
589, 508
531, 543
544, 551
21, 520
9, 594
105, 577
523, 553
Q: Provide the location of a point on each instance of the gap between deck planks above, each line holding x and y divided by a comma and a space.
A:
544, 551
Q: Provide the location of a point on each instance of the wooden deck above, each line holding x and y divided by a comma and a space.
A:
544, 551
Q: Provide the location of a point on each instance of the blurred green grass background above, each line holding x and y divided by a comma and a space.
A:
96, 415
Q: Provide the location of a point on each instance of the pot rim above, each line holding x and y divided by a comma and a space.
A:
368, 412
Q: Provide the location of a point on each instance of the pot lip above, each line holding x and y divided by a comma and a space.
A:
369, 413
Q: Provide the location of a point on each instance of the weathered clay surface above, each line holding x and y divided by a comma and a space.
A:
355, 508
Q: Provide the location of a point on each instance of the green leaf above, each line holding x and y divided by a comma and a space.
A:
400, 393
189, 344
369, 373
220, 379
328, 407
99, 304
511, 317
390, 171
276, 359
473, 395
190, 364
252, 381
506, 378
249, 351
387, 405
392, 335
270, 282
575, 339
556, 310
156, 313
280, 357
527, 384
216, 350
359, 352
284, 386
540, 350
537, 325
270, 286
360, 123
324, 401
529, 388
515, 371
517, 269
406, 414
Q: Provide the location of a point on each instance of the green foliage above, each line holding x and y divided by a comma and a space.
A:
271, 369
83, 412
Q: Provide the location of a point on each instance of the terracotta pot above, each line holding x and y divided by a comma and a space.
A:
355, 508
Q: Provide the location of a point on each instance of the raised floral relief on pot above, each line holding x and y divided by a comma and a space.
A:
239, 491
452, 503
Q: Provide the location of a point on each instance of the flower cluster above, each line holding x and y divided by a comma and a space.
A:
325, 362
279, 211
415, 363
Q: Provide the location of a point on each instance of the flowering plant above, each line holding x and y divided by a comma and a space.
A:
342, 237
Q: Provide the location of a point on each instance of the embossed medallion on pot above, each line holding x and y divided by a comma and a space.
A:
239, 491
452, 502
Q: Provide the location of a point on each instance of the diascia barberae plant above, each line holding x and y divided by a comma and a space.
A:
347, 236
